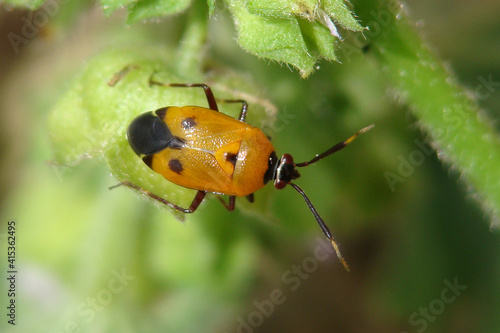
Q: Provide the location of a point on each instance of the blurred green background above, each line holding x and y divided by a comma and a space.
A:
422, 253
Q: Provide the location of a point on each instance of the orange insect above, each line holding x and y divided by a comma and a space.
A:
203, 149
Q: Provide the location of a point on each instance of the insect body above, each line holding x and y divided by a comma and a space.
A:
203, 149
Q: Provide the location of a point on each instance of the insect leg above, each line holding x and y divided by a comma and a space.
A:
244, 107
212, 104
250, 197
232, 202
194, 204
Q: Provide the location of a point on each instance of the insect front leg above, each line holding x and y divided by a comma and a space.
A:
200, 195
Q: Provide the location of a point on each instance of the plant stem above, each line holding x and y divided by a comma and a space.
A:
190, 51
462, 135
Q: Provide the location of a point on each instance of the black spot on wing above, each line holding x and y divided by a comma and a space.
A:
230, 157
175, 165
188, 123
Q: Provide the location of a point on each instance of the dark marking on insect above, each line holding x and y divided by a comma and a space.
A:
272, 164
162, 112
175, 166
148, 159
189, 122
177, 143
231, 157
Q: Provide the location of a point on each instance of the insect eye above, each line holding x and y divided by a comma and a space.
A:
279, 184
287, 159
148, 134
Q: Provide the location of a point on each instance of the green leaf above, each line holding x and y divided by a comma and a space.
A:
338, 10
273, 38
283, 9
293, 32
318, 40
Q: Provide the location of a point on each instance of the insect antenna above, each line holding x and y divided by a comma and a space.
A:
336, 148
322, 225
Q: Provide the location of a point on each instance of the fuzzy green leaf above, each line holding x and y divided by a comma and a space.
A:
293, 32
338, 10
273, 38
283, 9
318, 40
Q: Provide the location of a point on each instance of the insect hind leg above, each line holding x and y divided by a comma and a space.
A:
200, 195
